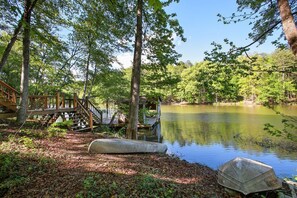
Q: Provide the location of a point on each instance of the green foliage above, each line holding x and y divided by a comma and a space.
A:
63, 125
9, 173
111, 85
59, 129
263, 79
15, 169
28, 142
111, 132
95, 186
147, 186
263, 16
56, 132
288, 130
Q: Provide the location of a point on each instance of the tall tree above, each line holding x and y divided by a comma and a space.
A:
135, 80
15, 32
102, 28
22, 112
156, 29
266, 16
288, 23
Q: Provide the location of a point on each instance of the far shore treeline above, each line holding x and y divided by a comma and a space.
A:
265, 78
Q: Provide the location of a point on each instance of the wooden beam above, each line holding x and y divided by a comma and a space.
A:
74, 100
57, 100
45, 103
49, 111
7, 115
63, 100
91, 120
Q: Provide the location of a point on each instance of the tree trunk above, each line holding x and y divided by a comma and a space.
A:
11, 43
22, 112
135, 80
87, 75
288, 24
14, 37
92, 82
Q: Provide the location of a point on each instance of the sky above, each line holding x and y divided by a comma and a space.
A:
201, 27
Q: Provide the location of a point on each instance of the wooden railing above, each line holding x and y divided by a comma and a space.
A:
8, 93
86, 114
58, 101
97, 113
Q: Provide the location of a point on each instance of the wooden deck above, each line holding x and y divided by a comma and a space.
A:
50, 111
50, 107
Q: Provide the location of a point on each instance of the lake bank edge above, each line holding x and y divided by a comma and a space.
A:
164, 161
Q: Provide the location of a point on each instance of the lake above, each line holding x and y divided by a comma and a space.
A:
209, 134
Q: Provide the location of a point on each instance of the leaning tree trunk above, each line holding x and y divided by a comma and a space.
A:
11, 43
288, 24
87, 75
14, 37
135, 80
22, 112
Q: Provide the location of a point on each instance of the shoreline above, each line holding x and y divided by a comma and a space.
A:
240, 103
61, 166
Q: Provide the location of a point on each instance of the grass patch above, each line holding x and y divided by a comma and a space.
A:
143, 186
16, 169
149, 186
59, 129
95, 186
107, 131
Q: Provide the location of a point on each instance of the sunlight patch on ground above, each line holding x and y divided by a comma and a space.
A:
184, 180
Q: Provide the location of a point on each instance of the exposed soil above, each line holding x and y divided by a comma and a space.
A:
72, 164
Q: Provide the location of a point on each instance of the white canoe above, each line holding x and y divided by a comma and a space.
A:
125, 146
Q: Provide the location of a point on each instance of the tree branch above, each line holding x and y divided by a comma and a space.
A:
261, 36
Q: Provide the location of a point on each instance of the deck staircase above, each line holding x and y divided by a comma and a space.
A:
8, 98
49, 119
85, 118
84, 114
8, 106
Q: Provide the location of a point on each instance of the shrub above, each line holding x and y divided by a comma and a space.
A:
16, 169
56, 132
59, 129
63, 125
149, 186
9, 173
27, 142
95, 186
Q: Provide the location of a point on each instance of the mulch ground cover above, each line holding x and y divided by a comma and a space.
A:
62, 167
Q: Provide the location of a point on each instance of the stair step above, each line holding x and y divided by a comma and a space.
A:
75, 127
83, 129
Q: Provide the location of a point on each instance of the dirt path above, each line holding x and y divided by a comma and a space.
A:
118, 175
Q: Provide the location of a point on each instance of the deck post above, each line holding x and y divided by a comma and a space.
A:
57, 100
74, 100
63, 100
45, 102
143, 113
159, 110
86, 102
13, 97
91, 120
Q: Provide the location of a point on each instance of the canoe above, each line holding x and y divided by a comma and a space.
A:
248, 176
122, 146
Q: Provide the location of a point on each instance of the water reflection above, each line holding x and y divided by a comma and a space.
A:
206, 134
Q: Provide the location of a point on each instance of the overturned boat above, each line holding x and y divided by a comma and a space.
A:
247, 176
122, 146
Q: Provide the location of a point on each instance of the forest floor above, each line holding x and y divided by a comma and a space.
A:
32, 164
